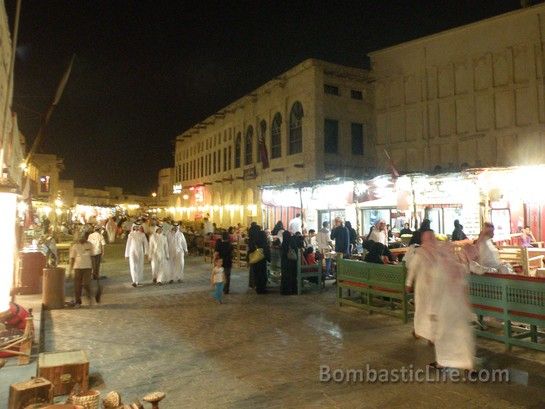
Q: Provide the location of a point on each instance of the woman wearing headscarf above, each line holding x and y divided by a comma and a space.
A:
278, 231
253, 234
416, 235
260, 268
352, 234
296, 245
284, 264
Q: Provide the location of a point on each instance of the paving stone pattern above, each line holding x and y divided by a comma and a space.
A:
261, 351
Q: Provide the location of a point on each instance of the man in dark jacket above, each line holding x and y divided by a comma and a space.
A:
341, 236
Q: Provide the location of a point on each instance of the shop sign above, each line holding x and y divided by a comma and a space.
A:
249, 173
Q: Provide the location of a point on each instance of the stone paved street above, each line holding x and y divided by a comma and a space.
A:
262, 351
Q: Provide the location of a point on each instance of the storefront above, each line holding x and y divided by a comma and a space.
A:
320, 202
92, 214
514, 200
413, 198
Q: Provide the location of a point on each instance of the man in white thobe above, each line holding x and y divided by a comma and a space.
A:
208, 227
177, 248
111, 229
296, 224
158, 254
483, 256
166, 227
135, 251
380, 233
451, 312
421, 273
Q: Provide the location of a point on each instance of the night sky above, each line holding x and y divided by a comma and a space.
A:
147, 70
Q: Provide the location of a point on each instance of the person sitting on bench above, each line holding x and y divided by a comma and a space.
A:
377, 253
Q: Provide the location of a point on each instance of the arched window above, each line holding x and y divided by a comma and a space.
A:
261, 147
238, 148
296, 129
249, 146
276, 137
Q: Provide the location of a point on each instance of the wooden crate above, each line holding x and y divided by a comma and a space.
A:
64, 370
22, 394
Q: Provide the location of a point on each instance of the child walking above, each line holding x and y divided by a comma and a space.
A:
217, 279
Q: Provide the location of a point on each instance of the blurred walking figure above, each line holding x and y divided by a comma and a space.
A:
422, 270
135, 251
451, 313
442, 310
111, 229
158, 254
177, 249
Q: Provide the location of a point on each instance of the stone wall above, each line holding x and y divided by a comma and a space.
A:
471, 96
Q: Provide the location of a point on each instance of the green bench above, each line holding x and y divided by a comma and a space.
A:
510, 298
374, 287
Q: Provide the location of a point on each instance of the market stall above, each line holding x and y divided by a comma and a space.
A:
412, 198
320, 201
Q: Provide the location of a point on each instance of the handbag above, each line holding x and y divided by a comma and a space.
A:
292, 254
256, 256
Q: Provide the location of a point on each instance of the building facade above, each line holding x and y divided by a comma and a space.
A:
472, 96
12, 141
44, 176
310, 123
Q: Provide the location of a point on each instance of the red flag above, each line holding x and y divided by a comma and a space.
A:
393, 169
263, 150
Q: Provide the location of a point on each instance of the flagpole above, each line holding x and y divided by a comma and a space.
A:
25, 181
7, 108
45, 121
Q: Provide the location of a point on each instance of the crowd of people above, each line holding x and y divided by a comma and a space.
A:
163, 243
436, 271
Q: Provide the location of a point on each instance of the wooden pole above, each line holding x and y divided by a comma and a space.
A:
301, 204
7, 108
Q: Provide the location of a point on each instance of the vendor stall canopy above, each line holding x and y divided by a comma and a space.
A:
333, 193
513, 182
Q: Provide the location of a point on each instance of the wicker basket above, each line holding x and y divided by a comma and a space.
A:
90, 400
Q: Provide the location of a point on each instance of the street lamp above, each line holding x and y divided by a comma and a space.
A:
154, 195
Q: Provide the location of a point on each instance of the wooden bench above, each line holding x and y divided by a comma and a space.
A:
510, 298
310, 273
379, 287
521, 257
